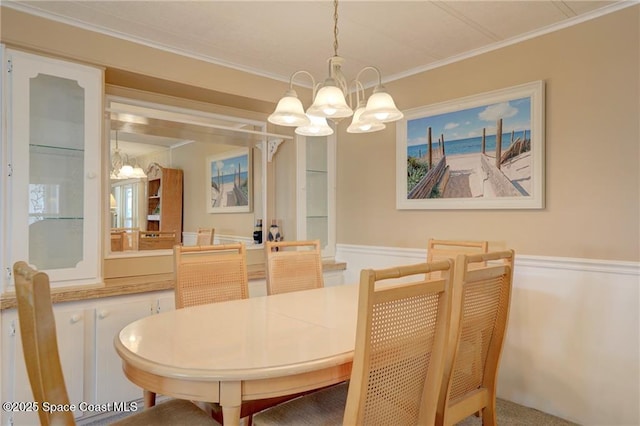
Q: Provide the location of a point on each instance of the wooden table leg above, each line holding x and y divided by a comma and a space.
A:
230, 401
149, 398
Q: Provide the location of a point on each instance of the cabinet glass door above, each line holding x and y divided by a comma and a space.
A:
56, 170
316, 160
54, 205
317, 216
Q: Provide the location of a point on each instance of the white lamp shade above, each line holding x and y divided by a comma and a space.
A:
358, 125
289, 111
330, 102
126, 171
138, 172
318, 127
380, 107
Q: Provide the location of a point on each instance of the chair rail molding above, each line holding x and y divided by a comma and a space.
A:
393, 254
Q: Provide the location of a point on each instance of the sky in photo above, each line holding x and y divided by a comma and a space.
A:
468, 123
229, 166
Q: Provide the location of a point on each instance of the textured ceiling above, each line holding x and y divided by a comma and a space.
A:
276, 38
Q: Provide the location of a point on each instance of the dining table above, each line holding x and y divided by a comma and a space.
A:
244, 350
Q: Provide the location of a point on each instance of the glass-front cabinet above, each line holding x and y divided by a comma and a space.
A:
52, 198
316, 190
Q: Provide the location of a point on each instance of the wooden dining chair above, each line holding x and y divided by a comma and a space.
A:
398, 361
42, 360
293, 266
157, 240
128, 238
211, 273
450, 249
479, 320
205, 236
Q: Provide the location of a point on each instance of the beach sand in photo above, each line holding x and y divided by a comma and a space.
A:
518, 170
221, 199
468, 180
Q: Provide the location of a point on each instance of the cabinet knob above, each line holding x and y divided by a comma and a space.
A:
75, 318
103, 314
91, 175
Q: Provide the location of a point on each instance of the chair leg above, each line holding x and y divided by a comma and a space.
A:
489, 413
149, 399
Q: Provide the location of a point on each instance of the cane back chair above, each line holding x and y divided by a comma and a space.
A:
398, 360
479, 321
293, 266
208, 274
42, 360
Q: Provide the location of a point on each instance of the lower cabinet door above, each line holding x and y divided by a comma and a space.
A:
111, 383
71, 347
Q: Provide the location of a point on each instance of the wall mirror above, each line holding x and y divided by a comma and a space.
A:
208, 148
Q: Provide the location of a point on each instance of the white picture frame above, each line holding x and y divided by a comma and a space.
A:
229, 178
469, 178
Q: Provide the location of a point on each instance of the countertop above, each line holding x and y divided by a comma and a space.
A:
135, 285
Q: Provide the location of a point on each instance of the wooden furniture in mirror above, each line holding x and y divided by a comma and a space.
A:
164, 206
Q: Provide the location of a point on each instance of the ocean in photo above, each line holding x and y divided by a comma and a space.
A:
467, 146
229, 178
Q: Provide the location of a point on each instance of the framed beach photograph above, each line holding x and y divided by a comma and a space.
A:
230, 181
479, 152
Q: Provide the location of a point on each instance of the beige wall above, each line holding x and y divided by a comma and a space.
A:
592, 133
592, 138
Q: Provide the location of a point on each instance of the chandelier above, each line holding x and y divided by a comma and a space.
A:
330, 101
121, 169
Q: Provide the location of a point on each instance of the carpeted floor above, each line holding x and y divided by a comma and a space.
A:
512, 414
509, 414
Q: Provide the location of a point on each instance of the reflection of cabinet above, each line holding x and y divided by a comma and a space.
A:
164, 207
54, 111
316, 159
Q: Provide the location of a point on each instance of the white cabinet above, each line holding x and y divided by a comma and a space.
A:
111, 384
85, 330
70, 321
316, 189
51, 202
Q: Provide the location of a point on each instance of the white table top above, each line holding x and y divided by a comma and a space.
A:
247, 339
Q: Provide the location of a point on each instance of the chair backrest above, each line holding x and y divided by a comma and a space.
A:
449, 249
208, 274
401, 337
293, 266
479, 320
205, 236
156, 240
128, 239
39, 343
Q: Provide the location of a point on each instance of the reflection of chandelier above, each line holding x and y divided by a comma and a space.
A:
330, 102
124, 170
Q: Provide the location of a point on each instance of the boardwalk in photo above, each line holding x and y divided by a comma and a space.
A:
466, 178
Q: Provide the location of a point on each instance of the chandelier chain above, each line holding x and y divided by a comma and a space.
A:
335, 27
329, 101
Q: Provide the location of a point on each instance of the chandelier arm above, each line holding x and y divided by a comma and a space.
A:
371, 67
359, 90
313, 80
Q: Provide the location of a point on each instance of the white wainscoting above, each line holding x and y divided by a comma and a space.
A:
573, 342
